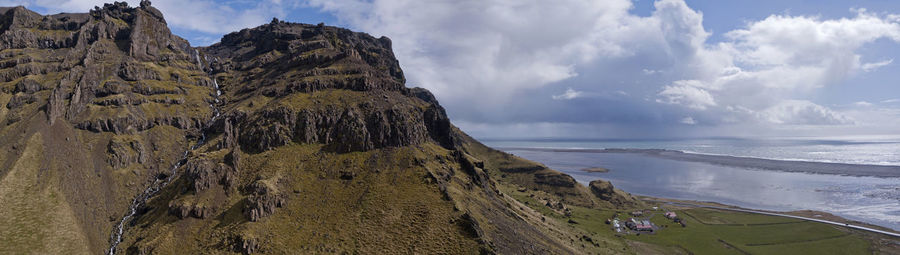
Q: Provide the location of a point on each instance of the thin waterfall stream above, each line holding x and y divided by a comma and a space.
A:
160, 182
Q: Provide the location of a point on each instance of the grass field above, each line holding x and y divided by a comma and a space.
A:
711, 231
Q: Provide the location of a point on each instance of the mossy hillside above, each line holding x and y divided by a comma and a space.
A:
4, 99
342, 99
519, 173
586, 222
387, 206
340, 202
63, 65
35, 215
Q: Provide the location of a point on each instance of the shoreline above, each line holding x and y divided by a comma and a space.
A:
882, 171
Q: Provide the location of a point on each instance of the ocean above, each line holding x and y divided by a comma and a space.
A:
785, 182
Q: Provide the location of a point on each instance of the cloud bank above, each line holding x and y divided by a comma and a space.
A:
521, 62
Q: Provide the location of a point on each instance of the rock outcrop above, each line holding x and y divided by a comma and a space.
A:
264, 198
605, 191
184, 209
204, 173
124, 151
554, 178
305, 59
101, 54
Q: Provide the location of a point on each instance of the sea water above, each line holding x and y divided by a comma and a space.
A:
874, 200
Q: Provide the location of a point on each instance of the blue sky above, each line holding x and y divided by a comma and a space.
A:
613, 68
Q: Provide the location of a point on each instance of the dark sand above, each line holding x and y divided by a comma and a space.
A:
747, 162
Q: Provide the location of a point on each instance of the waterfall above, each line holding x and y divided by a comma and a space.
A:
159, 183
197, 56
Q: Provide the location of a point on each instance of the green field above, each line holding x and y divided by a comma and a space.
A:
711, 231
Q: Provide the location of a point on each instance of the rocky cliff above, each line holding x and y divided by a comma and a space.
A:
94, 106
284, 138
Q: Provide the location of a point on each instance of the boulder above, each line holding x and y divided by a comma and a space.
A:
123, 151
205, 173
605, 191
554, 178
264, 198
245, 244
135, 72
182, 210
28, 86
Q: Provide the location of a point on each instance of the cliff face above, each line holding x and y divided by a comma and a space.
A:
321, 148
94, 106
281, 138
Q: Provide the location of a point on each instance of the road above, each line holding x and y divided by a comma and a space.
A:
783, 215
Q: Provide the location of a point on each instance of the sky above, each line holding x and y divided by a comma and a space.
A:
612, 68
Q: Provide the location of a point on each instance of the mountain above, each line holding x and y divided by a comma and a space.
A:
118, 136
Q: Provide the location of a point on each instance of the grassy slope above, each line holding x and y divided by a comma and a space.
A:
578, 199
35, 215
386, 207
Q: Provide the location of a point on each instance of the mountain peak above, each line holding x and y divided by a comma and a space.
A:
321, 50
257, 143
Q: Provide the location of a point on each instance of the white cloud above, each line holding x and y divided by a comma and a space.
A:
688, 121
809, 41
769, 62
688, 93
893, 100
868, 67
568, 95
494, 47
863, 104
801, 112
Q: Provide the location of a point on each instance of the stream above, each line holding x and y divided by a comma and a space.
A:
160, 182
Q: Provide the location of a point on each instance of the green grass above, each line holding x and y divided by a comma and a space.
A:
717, 217
725, 232
752, 233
